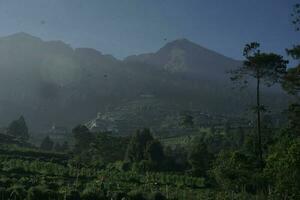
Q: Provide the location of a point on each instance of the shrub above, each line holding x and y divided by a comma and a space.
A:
73, 195
157, 196
17, 192
90, 193
40, 192
136, 195
119, 196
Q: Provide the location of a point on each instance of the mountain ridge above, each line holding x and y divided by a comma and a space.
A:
49, 82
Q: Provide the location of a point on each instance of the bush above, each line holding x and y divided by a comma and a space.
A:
119, 196
122, 166
3, 193
92, 194
157, 196
17, 192
73, 195
143, 166
136, 195
40, 192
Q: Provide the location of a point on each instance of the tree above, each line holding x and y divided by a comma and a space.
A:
19, 129
57, 147
137, 145
83, 138
296, 16
47, 144
109, 148
234, 171
92, 193
199, 158
40, 192
291, 80
187, 120
266, 68
293, 128
154, 151
283, 168
17, 192
65, 147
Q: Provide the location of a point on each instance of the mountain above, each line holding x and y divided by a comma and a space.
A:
49, 82
184, 56
46, 80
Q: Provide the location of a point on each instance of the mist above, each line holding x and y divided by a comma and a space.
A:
149, 100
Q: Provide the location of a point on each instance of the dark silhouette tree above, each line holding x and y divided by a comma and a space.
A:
109, 148
47, 144
291, 81
154, 151
137, 145
83, 138
296, 16
265, 68
65, 147
57, 147
199, 158
19, 129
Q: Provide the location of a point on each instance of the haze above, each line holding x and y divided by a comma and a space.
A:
124, 28
149, 99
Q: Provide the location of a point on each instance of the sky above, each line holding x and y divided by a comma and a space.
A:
127, 27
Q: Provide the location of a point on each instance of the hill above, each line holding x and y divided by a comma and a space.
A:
51, 83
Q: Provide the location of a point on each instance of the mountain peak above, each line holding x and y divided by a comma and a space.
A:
22, 35
183, 55
181, 42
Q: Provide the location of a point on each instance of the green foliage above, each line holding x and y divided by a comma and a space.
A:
199, 158
294, 119
92, 193
109, 148
235, 171
157, 196
137, 145
18, 128
136, 195
72, 195
119, 196
40, 192
17, 192
283, 168
291, 80
268, 67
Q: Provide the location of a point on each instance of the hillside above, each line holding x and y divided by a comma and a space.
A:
49, 82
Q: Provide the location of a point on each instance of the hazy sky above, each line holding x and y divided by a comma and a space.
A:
125, 27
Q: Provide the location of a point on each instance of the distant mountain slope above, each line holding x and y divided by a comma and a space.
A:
50, 82
184, 56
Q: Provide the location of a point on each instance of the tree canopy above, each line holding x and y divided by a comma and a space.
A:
19, 129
